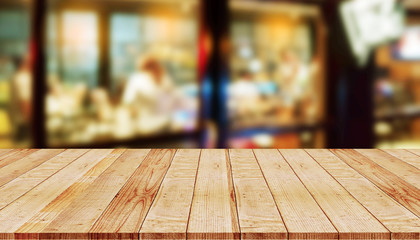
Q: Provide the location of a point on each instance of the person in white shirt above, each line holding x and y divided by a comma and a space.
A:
244, 95
22, 98
148, 92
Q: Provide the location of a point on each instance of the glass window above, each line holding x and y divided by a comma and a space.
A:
153, 59
397, 91
15, 75
72, 73
275, 70
117, 74
80, 48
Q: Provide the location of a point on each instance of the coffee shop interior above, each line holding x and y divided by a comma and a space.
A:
210, 73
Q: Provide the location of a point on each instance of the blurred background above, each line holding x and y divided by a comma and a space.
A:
210, 73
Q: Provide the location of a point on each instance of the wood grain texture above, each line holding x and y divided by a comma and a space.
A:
350, 218
44, 217
127, 211
402, 223
168, 215
21, 210
208, 194
19, 167
403, 192
213, 210
410, 156
14, 155
258, 214
80, 215
302, 216
400, 168
4, 151
22, 184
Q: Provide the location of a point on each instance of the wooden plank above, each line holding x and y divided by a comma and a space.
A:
168, 215
402, 223
259, 217
80, 215
400, 168
411, 156
301, 214
350, 218
4, 151
213, 210
405, 193
127, 211
22, 184
21, 210
39, 221
14, 155
19, 167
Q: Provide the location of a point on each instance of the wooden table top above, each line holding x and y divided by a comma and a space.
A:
209, 194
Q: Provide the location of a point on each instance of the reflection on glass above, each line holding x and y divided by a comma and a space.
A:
80, 47
147, 85
275, 69
15, 75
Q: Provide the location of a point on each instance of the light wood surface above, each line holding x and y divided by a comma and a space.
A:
410, 156
168, 216
25, 182
209, 194
4, 151
80, 216
302, 215
400, 168
44, 217
350, 218
126, 212
22, 209
14, 155
20, 166
402, 223
213, 209
402, 191
257, 211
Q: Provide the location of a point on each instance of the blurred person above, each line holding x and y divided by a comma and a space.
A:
21, 89
64, 107
384, 90
64, 102
295, 89
102, 103
245, 95
150, 93
294, 75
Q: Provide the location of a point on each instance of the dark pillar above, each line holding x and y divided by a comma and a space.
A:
39, 72
350, 89
215, 20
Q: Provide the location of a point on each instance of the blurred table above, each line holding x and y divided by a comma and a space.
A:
209, 194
